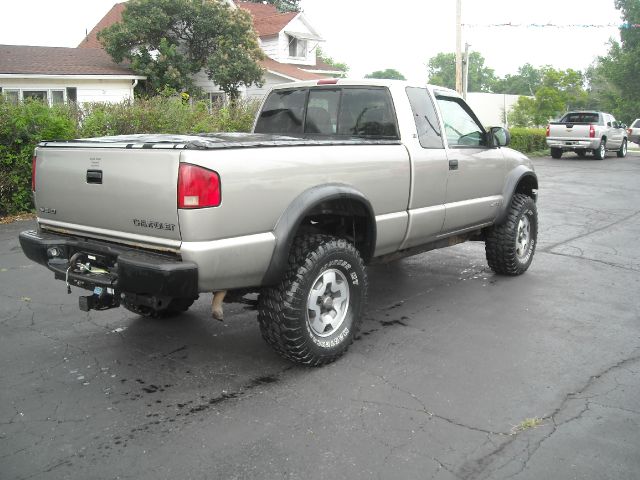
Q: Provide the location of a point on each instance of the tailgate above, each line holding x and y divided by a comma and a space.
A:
569, 131
111, 193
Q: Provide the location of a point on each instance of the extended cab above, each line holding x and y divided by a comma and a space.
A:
583, 132
337, 174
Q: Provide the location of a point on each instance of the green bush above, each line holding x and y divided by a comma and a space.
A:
528, 140
22, 126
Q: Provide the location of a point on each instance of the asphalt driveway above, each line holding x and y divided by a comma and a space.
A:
457, 373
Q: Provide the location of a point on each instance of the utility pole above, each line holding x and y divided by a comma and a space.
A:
465, 71
459, 46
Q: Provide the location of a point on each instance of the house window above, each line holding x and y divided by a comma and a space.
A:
57, 97
40, 95
12, 96
216, 99
72, 94
297, 47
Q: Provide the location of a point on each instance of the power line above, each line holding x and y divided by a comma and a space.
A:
621, 26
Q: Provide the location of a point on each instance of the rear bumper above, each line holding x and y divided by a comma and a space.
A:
123, 269
567, 144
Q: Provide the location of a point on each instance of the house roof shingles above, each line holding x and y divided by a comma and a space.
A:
289, 70
113, 16
22, 59
267, 21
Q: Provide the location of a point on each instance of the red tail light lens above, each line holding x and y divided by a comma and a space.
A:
198, 187
548, 130
33, 173
592, 131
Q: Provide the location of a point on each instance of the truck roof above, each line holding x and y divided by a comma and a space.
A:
372, 82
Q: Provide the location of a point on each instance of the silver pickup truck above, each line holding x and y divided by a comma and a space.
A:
583, 132
337, 174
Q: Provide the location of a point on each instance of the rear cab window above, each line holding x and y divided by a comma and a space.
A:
636, 124
581, 117
364, 112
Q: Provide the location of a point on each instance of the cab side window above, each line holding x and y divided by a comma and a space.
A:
460, 125
424, 114
367, 112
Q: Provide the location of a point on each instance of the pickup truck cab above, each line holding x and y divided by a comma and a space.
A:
337, 174
583, 132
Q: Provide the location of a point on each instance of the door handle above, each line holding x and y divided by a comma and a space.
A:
453, 164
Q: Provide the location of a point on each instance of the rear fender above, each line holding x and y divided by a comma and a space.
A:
291, 220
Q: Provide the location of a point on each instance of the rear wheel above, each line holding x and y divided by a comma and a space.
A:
556, 153
312, 316
623, 149
509, 247
601, 152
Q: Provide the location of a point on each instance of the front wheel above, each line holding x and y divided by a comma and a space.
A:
623, 149
510, 246
312, 316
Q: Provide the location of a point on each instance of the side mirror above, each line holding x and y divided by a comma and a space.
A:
499, 137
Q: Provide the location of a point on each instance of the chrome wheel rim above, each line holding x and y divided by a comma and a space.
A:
603, 152
523, 239
624, 148
328, 303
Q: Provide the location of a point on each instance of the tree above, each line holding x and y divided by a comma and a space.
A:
559, 91
282, 5
169, 41
525, 82
343, 67
614, 78
389, 73
442, 71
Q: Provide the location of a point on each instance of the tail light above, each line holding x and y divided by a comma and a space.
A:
548, 130
629, 131
33, 173
198, 187
592, 131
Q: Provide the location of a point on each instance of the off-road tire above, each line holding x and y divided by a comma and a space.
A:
176, 307
502, 241
622, 152
601, 152
283, 310
556, 153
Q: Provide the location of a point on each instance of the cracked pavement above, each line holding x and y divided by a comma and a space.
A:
450, 360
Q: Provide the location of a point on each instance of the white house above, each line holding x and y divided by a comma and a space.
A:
288, 40
58, 75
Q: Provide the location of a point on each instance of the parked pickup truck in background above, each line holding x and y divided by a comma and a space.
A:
584, 132
336, 175
634, 131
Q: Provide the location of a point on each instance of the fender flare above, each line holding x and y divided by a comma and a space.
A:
513, 180
290, 221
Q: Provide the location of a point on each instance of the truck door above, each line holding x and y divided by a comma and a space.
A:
476, 173
429, 170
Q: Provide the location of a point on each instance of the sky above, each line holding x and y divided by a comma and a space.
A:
372, 35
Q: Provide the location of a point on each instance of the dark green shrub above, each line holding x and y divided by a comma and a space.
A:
528, 140
22, 126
